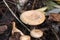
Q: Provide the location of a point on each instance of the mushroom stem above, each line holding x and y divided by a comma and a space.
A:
33, 27
44, 29
23, 37
15, 29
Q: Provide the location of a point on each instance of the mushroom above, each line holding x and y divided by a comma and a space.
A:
36, 33
33, 17
23, 20
23, 36
15, 29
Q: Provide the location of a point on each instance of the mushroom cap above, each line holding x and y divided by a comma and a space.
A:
32, 17
36, 33
25, 37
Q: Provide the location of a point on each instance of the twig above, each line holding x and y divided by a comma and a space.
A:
15, 15
11, 2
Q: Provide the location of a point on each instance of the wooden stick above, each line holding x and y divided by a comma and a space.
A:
15, 15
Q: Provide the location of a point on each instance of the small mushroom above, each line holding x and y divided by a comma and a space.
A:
15, 29
23, 37
36, 33
32, 17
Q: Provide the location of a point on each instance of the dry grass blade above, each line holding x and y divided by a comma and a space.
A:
15, 15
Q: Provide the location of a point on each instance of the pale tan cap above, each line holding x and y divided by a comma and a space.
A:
25, 37
32, 17
36, 33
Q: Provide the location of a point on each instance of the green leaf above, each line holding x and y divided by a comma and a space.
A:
51, 5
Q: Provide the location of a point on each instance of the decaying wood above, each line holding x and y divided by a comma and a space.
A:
54, 17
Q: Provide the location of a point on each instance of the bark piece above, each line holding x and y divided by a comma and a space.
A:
54, 17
